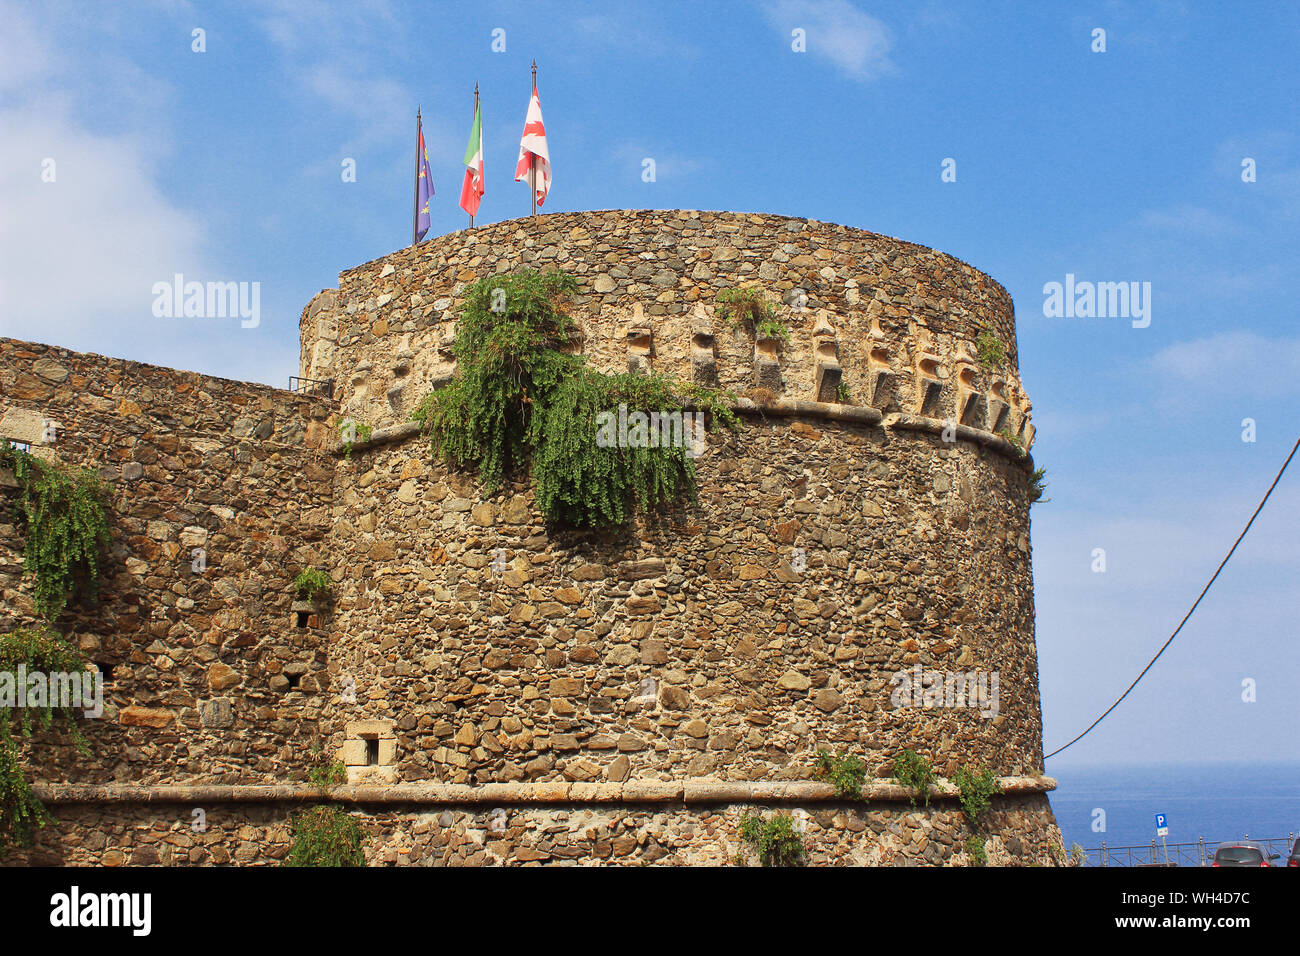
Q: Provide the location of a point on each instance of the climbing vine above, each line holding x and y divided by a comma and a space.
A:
20, 811
518, 397
35, 651
65, 514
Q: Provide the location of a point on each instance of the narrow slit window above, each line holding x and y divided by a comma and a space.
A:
372, 751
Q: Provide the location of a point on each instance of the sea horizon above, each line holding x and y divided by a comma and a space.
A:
1212, 801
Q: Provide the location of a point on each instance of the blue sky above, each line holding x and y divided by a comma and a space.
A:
1115, 166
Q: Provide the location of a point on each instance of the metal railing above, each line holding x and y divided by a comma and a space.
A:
1199, 853
321, 388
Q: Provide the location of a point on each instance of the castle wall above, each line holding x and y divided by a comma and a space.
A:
650, 279
537, 668
467, 643
190, 660
1018, 830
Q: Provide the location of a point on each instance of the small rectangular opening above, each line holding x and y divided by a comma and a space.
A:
301, 618
17, 445
372, 751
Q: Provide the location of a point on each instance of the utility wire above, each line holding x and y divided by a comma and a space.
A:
1188, 615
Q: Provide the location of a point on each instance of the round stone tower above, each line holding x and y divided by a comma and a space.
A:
855, 577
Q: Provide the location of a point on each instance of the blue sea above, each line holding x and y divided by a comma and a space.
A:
1214, 801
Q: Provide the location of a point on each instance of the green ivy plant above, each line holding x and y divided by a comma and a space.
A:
844, 771
311, 581
46, 652
915, 772
325, 835
990, 351
775, 840
518, 398
65, 518
20, 811
977, 789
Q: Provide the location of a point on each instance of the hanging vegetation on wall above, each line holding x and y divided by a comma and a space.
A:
518, 398
35, 651
65, 524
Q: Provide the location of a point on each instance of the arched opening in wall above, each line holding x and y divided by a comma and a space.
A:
301, 618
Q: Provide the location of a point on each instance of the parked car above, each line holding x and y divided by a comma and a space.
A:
1244, 853
1294, 858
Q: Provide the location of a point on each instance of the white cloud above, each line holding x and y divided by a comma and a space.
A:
1257, 364
1191, 220
79, 255
838, 31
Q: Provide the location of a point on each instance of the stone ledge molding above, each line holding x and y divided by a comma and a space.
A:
633, 791
859, 414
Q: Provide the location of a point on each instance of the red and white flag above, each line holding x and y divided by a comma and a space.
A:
533, 155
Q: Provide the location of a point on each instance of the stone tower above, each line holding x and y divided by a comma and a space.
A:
856, 576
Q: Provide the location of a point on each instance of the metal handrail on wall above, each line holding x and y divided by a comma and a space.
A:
1199, 853
322, 388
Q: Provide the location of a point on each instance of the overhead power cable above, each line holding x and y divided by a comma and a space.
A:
1188, 615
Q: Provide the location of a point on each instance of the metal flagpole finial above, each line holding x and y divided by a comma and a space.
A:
534, 74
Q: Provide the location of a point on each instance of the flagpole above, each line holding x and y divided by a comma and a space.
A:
532, 161
415, 202
480, 143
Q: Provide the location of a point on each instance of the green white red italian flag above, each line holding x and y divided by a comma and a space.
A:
471, 191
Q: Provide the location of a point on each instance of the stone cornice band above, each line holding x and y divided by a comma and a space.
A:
864, 415
560, 792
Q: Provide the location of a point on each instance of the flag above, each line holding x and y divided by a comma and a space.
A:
472, 189
532, 150
423, 184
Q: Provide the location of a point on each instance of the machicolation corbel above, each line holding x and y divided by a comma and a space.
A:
880, 384
640, 342
704, 360
969, 397
929, 385
827, 372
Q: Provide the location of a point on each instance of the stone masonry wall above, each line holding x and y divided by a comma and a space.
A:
194, 663
1017, 831
468, 643
690, 646
872, 304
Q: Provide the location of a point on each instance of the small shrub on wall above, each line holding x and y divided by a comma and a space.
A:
325, 836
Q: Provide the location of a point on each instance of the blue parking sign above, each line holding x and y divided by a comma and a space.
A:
1161, 823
